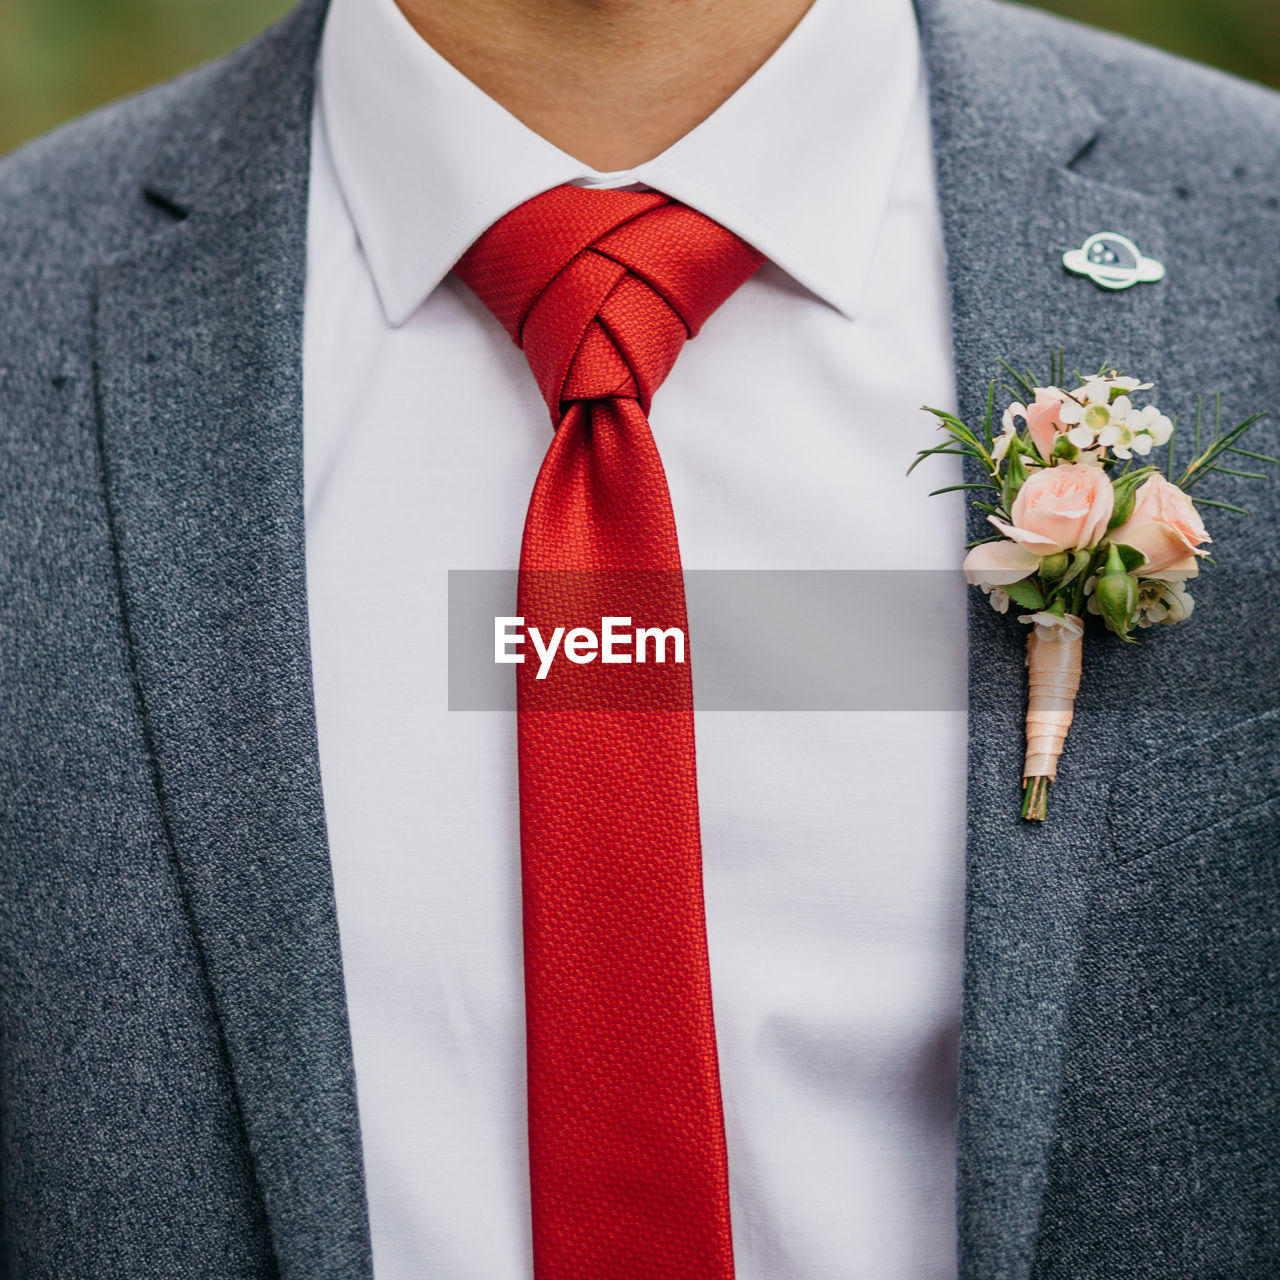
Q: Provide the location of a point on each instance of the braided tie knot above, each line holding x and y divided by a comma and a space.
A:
601, 288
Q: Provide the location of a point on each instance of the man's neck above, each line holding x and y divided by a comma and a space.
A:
611, 82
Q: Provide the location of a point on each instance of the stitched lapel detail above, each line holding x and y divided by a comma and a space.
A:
1007, 125
199, 381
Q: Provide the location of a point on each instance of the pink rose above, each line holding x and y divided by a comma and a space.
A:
1165, 526
1060, 508
1043, 422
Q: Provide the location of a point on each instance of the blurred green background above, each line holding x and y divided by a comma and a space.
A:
59, 58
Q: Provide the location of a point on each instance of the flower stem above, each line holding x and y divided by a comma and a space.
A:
1035, 799
1053, 669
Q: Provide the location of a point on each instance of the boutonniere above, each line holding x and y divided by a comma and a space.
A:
1085, 525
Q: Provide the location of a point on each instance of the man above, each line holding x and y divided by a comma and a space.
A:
262, 963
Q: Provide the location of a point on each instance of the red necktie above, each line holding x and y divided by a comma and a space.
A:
626, 1135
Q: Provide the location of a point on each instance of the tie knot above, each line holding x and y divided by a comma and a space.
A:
601, 288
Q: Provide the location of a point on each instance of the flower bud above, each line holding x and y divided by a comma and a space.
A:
1117, 594
1054, 566
1065, 450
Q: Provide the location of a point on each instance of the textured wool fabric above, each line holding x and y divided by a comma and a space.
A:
626, 1135
175, 1074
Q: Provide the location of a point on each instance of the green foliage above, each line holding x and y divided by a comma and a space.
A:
59, 58
1242, 36
1222, 443
1122, 557
1015, 473
1026, 594
1081, 559
1126, 489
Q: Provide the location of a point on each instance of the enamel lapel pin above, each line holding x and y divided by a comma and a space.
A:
1113, 261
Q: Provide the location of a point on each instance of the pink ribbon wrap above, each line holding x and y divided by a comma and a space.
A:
1053, 679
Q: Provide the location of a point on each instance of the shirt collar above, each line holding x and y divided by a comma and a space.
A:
798, 162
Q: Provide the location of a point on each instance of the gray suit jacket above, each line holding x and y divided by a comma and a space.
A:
176, 1088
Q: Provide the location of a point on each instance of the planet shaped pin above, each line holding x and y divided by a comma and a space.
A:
1113, 261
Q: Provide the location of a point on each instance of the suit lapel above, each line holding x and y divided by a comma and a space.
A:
198, 349
1007, 126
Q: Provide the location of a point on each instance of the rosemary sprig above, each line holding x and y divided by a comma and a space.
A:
1207, 461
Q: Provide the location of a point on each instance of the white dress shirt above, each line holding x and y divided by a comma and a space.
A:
832, 841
